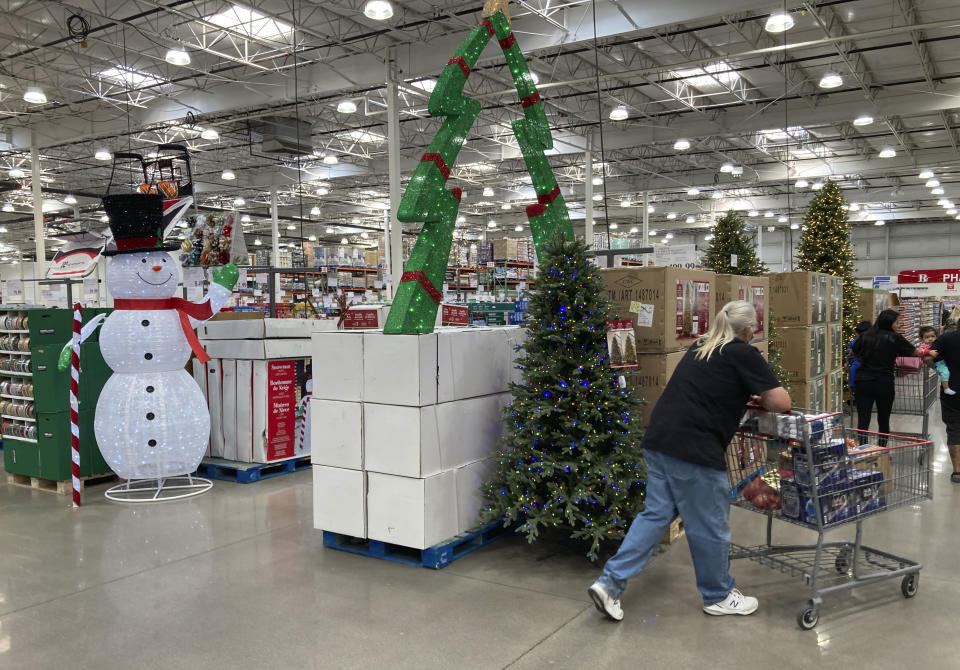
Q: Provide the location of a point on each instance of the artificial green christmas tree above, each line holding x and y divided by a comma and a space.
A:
571, 457
730, 238
825, 246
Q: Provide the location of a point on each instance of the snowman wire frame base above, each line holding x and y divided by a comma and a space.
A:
158, 490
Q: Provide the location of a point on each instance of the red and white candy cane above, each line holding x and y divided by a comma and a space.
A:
75, 406
301, 434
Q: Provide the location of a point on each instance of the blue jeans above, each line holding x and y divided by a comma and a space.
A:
699, 495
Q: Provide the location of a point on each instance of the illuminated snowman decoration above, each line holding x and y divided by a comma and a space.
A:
151, 420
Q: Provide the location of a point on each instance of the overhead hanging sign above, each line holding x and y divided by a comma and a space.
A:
676, 255
928, 276
77, 257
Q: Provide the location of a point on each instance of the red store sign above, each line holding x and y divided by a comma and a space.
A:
455, 315
928, 277
360, 318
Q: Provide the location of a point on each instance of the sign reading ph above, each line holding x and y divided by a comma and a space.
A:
929, 276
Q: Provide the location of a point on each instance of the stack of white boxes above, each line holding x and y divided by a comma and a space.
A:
405, 428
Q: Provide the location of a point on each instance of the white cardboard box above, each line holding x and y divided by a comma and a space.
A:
338, 361
472, 362
259, 329
401, 440
411, 512
257, 349
470, 429
336, 433
244, 411
215, 404
200, 376
470, 500
400, 369
228, 403
340, 500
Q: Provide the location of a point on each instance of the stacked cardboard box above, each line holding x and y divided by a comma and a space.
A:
872, 302
406, 430
807, 312
671, 308
752, 289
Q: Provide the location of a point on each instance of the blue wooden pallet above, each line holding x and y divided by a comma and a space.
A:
436, 557
246, 473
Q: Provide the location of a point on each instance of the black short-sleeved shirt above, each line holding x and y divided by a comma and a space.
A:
878, 360
948, 346
701, 407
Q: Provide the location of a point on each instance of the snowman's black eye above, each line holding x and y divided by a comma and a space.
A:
143, 260
164, 260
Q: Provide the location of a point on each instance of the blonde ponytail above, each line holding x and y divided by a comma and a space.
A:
730, 320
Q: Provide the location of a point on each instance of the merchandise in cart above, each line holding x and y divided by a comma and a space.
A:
915, 389
811, 471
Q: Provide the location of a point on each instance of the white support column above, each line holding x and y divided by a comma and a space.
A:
760, 242
275, 227
393, 166
646, 226
783, 252
588, 202
36, 187
886, 254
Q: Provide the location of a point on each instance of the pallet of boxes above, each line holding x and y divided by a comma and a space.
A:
669, 308
405, 432
808, 317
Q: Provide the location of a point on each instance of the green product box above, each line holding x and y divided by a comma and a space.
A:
21, 457
55, 326
94, 373
51, 387
55, 451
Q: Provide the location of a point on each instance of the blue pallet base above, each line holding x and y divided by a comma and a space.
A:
435, 557
246, 473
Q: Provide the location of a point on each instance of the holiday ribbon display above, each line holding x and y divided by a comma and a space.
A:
426, 198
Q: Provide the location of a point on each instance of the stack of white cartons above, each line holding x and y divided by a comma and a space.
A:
405, 428
259, 371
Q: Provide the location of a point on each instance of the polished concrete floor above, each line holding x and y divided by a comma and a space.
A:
239, 579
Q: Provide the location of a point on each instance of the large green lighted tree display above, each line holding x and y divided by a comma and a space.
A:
825, 246
730, 239
426, 198
571, 456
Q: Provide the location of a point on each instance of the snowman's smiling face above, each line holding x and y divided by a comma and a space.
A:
150, 275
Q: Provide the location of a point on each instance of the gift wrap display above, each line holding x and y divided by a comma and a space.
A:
404, 428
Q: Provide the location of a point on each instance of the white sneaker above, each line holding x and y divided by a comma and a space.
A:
604, 603
734, 603
949, 391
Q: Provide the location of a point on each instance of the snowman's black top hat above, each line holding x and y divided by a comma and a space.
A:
136, 221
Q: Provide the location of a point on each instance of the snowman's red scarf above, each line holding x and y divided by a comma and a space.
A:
199, 311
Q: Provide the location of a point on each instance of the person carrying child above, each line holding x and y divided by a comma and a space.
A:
928, 335
854, 361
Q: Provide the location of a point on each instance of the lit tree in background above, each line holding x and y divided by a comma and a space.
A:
825, 246
571, 456
730, 237
775, 354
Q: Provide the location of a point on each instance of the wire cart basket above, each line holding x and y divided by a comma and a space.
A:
811, 471
916, 390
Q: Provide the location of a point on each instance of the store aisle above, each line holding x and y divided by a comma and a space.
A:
239, 579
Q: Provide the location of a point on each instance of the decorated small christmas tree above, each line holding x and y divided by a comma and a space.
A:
571, 456
825, 246
630, 352
730, 239
616, 358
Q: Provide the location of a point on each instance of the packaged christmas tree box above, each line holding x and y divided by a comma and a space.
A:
671, 307
804, 351
505, 250
649, 379
809, 395
833, 392
752, 289
798, 298
834, 299
873, 301
836, 347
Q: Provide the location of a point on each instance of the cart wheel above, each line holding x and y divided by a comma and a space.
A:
808, 617
842, 564
910, 585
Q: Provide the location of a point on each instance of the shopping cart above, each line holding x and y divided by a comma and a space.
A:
916, 388
811, 471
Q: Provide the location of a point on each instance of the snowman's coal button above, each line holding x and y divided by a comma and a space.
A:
152, 443
150, 416
149, 389
148, 356
144, 323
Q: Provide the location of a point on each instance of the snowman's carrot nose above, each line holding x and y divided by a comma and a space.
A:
157, 268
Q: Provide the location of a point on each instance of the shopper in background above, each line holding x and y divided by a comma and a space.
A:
948, 346
928, 334
690, 428
854, 362
878, 349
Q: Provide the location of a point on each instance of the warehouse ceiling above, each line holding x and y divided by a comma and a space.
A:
737, 93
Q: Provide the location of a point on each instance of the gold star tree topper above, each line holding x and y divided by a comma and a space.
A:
491, 7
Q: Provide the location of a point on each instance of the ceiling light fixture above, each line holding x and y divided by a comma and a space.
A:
925, 174
768, 214
227, 175
614, 226
668, 236
323, 190
651, 209
831, 80
887, 152
779, 22
315, 211
932, 183
239, 202
518, 228
7, 207
16, 173
291, 226
878, 222
802, 183
461, 219
693, 190
364, 235
329, 230
635, 230
491, 224
347, 107
597, 181
651, 233
35, 96
781, 219
817, 185
753, 212
863, 120
708, 237
726, 167
854, 207
681, 145
952, 211
102, 155
671, 215
70, 200
344, 240
505, 206
245, 218
794, 226
487, 192
597, 197
691, 219
716, 195
936, 191
330, 160
619, 113
625, 203
770, 229
312, 238
104, 219
209, 134
378, 10
177, 56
